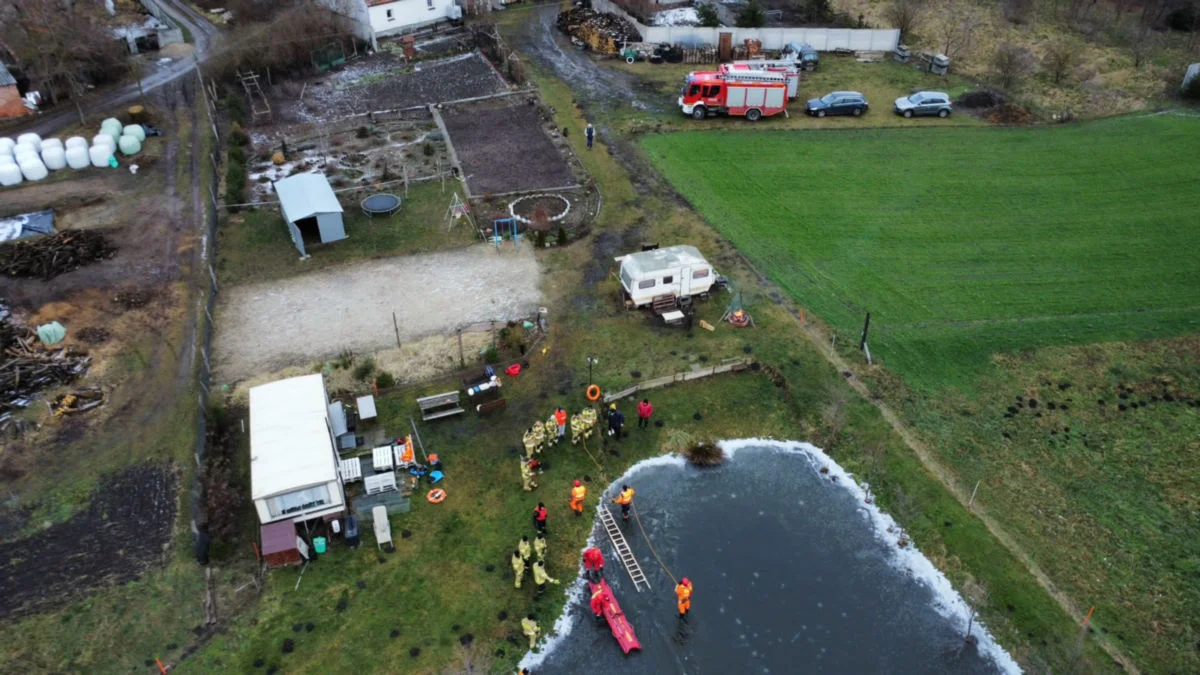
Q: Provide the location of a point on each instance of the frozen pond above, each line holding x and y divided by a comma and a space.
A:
793, 573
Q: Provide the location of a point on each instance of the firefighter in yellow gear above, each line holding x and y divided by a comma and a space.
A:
539, 436
589, 418
530, 628
528, 476
550, 430
539, 546
541, 578
518, 565
530, 443
578, 427
524, 549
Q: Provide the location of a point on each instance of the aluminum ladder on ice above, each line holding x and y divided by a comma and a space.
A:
623, 552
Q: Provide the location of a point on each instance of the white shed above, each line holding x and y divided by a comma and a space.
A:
674, 270
293, 459
307, 201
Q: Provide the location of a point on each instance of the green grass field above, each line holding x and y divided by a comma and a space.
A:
963, 242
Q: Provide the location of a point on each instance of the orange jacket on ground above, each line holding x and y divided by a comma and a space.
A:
626, 497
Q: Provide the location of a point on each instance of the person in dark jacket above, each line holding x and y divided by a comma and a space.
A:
616, 420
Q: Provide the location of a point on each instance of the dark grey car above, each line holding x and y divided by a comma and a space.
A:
838, 103
924, 103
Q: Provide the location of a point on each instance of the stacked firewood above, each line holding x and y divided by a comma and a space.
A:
54, 254
604, 33
27, 366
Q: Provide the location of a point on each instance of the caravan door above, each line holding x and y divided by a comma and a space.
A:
685, 282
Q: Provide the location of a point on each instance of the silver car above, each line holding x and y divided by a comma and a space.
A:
924, 103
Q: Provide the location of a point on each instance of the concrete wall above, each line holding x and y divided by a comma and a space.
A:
407, 15
10, 102
165, 37
822, 39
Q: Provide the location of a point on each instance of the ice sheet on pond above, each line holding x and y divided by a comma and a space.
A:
793, 572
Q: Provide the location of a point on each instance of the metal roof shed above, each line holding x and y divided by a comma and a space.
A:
293, 462
307, 198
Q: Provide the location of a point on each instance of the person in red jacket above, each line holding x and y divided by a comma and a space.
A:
599, 598
539, 517
593, 563
644, 411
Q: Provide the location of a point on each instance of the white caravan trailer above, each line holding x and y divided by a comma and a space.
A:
675, 270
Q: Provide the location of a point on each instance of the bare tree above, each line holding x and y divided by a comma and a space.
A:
1017, 11
63, 47
1141, 45
1060, 57
958, 30
1012, 64
904, 15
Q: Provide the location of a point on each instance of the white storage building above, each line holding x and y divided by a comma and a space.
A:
307, 200
293, 459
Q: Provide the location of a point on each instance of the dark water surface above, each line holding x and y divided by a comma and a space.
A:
793, 573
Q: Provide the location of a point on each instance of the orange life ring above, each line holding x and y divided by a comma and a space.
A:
593, 393
436, 496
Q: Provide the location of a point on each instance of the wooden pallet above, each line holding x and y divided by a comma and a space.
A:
618, 539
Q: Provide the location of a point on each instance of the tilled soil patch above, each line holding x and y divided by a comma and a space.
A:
117, 538
504, 149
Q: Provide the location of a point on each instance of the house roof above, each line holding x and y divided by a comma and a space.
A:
6, 78
278, 537
290, 447
305, 195
670, 257
376, 3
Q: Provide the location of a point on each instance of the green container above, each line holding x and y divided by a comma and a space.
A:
319, 544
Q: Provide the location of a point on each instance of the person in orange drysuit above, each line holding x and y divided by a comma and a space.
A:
578, 494
683, 593
599, 598
593, 563
625, 499
560, 416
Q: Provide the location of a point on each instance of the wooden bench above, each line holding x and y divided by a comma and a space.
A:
440, 405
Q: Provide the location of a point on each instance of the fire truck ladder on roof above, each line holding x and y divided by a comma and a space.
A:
618, 539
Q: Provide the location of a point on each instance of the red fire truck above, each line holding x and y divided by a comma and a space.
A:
789, 69
749, 93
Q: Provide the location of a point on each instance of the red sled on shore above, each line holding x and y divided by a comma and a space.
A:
621, 628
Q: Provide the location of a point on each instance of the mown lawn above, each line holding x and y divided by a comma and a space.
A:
255, 245
963, 242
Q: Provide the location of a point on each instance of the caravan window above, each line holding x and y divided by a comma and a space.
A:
649, 283
667, 280
299, 501
700, 274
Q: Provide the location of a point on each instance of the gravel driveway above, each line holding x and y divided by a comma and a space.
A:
267, 326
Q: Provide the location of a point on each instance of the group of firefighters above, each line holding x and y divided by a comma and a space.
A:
532, 555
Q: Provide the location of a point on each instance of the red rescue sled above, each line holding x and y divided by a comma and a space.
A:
621, 629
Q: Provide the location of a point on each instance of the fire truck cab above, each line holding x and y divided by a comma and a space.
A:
752, 94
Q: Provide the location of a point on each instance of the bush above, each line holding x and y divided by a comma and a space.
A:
344, 360
751, 16
491, 355
1012, 63
363, 132
708, 16
237, 155
285, 43
704, 453
385, 380
235, 183
562, 236
1191, 91
540, 241
235, 107
364, 368
427, 149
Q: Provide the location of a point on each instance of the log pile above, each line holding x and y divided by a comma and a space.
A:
27, 366
601, 32
54, 254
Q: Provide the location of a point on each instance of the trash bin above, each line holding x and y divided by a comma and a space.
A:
319, 545
352, 531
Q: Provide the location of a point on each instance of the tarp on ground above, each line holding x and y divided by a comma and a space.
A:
24, 225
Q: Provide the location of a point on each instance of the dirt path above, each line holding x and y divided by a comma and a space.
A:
268, 326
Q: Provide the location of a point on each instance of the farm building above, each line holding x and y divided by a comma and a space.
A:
375, 19
680, 271
10, 97
308, 202
293, 459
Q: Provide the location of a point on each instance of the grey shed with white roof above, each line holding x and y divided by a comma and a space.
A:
306, 200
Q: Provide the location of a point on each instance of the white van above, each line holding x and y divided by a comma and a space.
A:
676, 270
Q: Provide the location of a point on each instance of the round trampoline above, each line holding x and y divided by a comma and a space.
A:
381, 205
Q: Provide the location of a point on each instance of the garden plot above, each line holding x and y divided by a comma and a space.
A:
508, 148
385, 82
121, 533
354, 156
